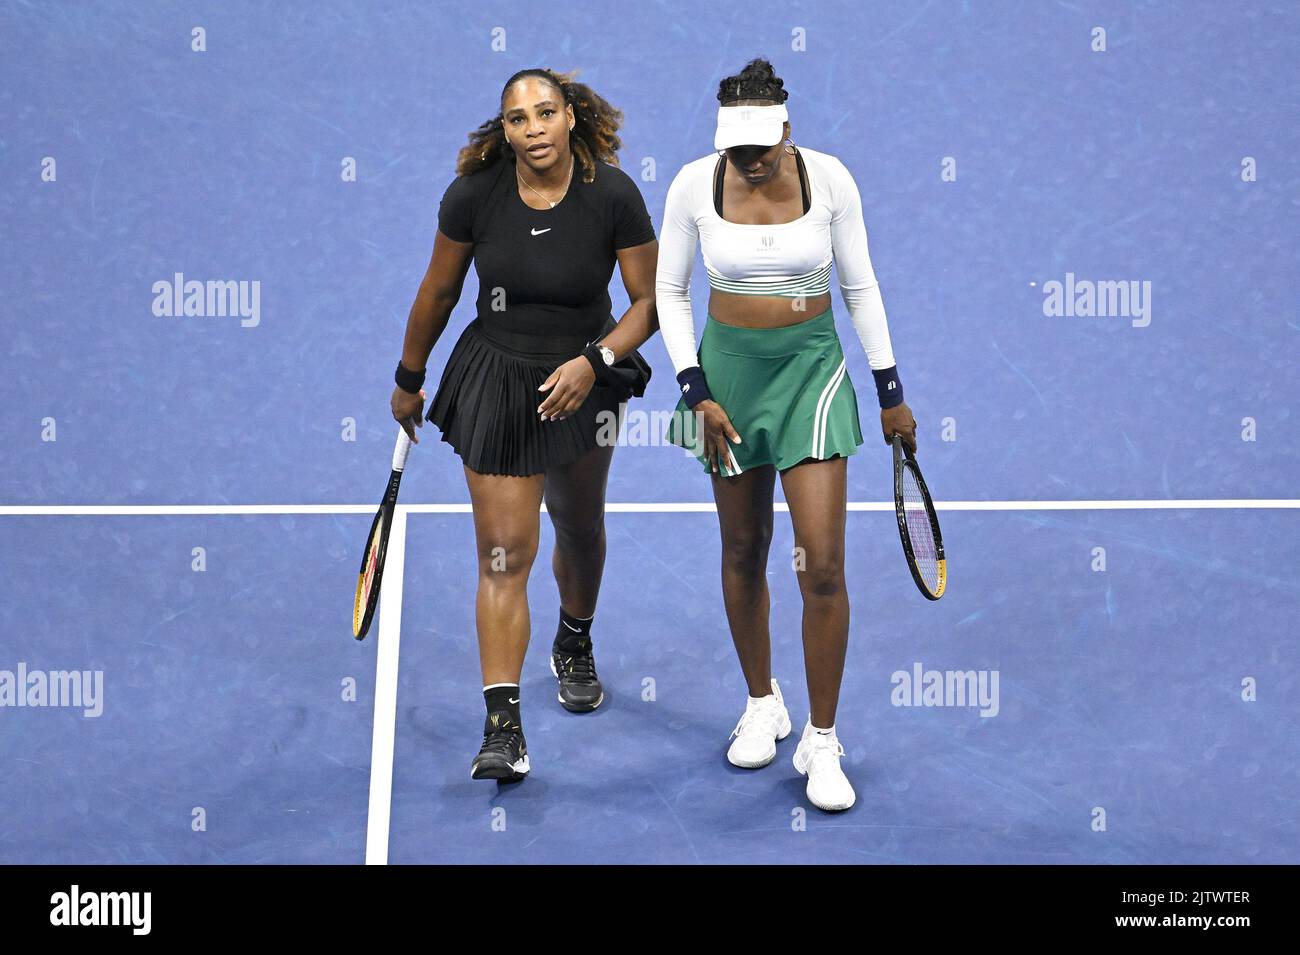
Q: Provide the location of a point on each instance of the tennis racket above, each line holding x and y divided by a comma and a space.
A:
918, 525
372, 561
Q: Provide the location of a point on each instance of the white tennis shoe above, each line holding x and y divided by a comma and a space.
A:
755, 736
818, 758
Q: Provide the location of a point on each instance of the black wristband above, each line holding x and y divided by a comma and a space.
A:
694, 388
889, 390
593, 355
408, 380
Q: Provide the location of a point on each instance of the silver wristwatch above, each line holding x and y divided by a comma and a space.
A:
607, 354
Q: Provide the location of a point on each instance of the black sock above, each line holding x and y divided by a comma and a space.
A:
573, 634
503, 698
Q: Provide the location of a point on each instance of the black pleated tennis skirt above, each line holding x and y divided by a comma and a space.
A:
486, 407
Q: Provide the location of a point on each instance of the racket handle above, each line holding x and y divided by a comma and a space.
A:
402, 449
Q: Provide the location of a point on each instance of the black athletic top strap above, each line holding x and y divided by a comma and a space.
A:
804, 191
803, 182
717, 185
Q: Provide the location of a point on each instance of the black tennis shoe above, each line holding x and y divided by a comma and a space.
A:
504, 754
575, 668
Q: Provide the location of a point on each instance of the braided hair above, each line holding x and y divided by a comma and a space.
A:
756, 81
594, 135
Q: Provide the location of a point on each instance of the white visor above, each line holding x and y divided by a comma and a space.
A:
749, 126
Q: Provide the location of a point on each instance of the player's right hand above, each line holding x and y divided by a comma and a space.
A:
719, 435
408, 409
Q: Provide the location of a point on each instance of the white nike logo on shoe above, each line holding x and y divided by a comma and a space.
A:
540, 231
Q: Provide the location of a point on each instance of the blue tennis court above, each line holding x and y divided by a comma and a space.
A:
1088, 258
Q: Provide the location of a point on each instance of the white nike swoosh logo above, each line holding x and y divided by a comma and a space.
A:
540, 231
574, 629
514, 701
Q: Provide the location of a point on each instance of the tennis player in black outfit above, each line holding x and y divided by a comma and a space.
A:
540, 207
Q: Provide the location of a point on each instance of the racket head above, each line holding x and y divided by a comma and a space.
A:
371, 572
918, 524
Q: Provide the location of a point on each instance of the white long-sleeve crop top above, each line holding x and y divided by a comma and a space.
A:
788, 258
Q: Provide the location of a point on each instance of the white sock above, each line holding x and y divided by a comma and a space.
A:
755, 700
823, 732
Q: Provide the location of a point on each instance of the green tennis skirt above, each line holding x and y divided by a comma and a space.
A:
786, 390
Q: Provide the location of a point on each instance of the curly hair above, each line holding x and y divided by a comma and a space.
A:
756, 81
594, 135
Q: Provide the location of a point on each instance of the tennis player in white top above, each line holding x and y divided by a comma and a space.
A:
766, 391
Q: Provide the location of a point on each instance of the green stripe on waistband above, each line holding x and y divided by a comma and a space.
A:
816, 282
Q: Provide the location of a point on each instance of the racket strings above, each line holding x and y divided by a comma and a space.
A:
366, 585
919, 531
372, 562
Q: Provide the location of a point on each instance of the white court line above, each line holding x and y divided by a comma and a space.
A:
990, 505
385, 719
669, 507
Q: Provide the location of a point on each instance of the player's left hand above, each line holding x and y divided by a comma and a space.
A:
568, 386
898, 419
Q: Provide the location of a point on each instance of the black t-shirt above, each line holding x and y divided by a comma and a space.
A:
544, 273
